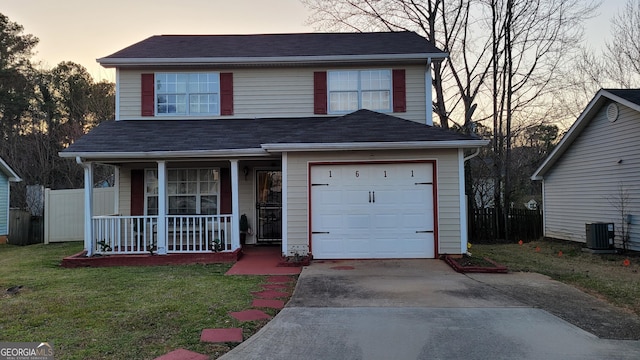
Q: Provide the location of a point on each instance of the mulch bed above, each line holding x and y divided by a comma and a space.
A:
469, 264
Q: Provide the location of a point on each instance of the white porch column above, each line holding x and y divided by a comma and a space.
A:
116, 187
428, 88
285, 206
162, 208
88, 205
235, 207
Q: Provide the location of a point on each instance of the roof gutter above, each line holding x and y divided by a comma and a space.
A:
166, 154
248, 60
405, 145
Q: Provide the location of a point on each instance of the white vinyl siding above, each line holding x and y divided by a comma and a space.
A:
124, 195
4, 204
448, 201
583, 185
273, 92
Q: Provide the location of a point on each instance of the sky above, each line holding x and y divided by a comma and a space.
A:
84, 30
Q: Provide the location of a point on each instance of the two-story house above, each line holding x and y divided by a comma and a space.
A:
323, 141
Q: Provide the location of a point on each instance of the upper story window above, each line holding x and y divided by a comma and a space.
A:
359, 89
187, 93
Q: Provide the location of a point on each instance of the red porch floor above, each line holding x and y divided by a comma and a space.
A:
262, 260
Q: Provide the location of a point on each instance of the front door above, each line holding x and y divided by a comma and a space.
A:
269, 205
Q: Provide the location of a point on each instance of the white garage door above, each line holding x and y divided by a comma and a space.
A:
363, 211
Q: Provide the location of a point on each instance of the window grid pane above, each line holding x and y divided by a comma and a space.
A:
344, 101
189, 191
375, 80
364, 89
375, 100
188, 93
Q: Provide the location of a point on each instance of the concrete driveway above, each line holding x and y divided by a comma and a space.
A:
422, 309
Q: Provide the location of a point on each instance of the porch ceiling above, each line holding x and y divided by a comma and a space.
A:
247, 137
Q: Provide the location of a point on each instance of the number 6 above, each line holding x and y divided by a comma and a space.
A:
357, 173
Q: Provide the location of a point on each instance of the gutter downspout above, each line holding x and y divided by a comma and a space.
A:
428, 91
464, 213
476, 153
88, 205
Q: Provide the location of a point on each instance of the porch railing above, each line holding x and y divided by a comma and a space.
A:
116, 234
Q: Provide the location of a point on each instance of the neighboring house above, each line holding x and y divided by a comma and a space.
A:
596, 162
7, 175
274, 126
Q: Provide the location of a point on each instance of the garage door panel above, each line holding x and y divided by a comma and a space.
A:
416, 222
372, 211
356, 223
329, 197
386, 222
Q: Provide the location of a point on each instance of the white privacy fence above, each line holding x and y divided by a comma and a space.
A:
64, 212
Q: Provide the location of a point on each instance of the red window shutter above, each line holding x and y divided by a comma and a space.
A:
137, 192
399, 91
148, 95
320, 92
225, 191
226, 93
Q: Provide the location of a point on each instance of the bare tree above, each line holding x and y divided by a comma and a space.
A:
448, 25
507, 58
621, 200
622, 55
615, 66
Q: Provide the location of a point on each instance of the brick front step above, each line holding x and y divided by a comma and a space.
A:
182, 354
221, 335
250, 315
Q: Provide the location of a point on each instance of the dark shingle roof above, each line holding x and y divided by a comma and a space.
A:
632, 95
363, 126
277, 45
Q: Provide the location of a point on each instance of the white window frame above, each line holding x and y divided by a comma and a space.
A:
359, 90
198, 193
188, 93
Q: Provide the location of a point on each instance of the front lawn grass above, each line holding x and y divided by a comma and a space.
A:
117, 312
603, 275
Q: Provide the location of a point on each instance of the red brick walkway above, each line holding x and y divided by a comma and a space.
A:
278, 286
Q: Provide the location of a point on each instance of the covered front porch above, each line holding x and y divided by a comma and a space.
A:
185, 206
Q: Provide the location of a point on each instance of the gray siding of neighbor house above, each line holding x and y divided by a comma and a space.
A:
584, 185
4, 204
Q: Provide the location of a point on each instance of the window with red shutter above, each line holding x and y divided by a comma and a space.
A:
320, 92
137, 192
225, 191
148, 95
226, 93
399, 91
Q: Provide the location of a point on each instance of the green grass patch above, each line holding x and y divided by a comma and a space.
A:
117, 312
602, 275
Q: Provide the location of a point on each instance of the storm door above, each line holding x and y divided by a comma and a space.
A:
269, 205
